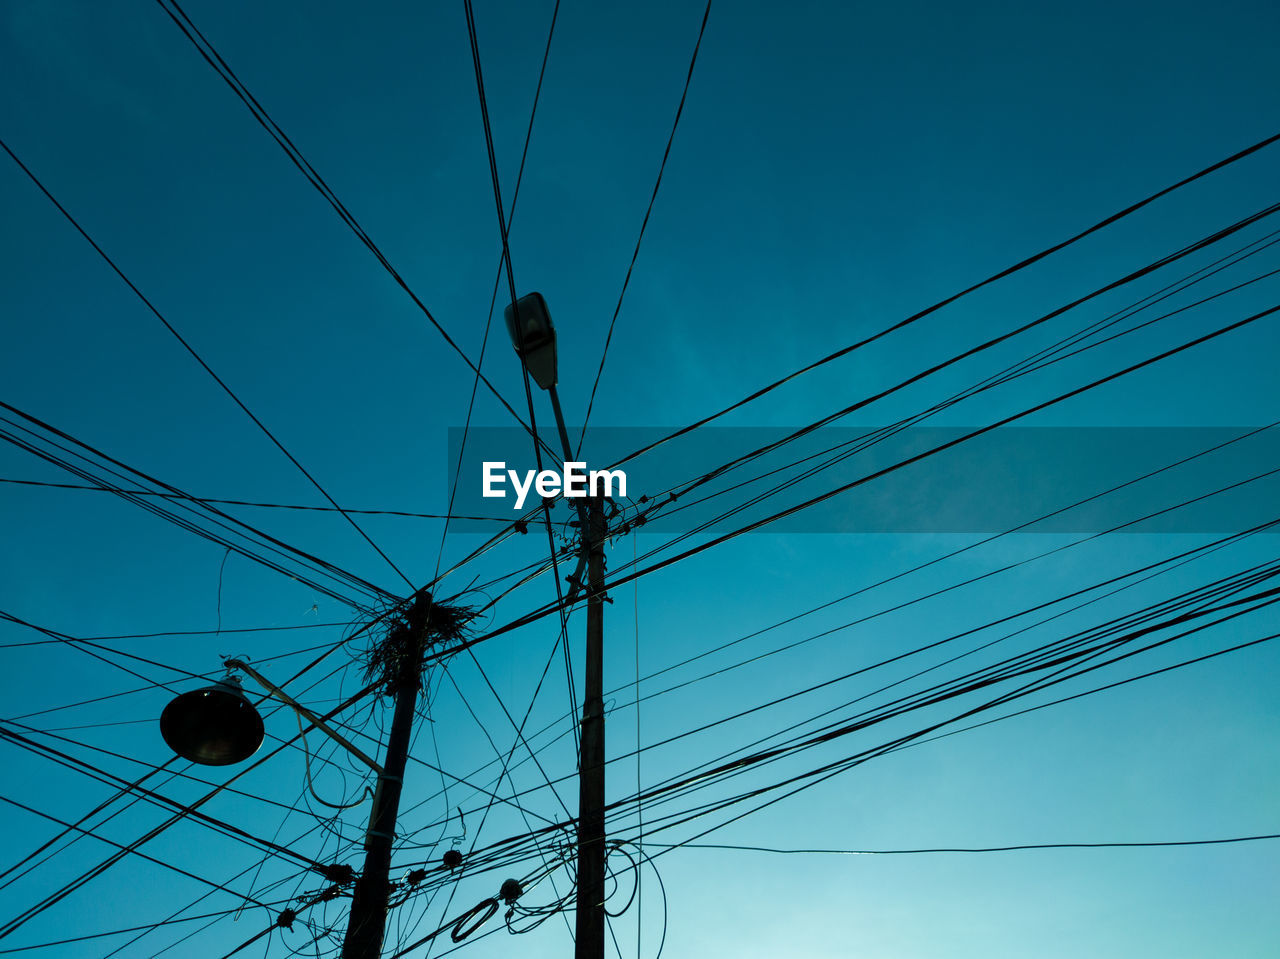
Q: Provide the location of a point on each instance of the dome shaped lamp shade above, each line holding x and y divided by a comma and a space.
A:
213, 726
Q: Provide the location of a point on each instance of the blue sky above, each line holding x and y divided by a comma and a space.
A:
836, 169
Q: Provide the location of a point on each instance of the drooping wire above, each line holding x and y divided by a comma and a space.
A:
970, 849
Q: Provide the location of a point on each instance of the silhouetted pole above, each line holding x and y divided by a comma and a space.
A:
534, 337
589, 940
367, 922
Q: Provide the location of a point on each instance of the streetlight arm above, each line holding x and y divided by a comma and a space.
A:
568, 456
274, 690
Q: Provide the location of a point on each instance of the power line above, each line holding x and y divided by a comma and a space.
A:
1200, 244
807, 781
989, 675
968, 849
199, 359
1031, 523
505, 260
675, 124
821, 773
110, 842
185, 632
758, 524
1184, 557
813, 777
241, 502
221, 913
1008, 271
181, 500
157, 799
544, 611
504, 232
497, 282
220, 66
1073, 647
183, 813
1038, 361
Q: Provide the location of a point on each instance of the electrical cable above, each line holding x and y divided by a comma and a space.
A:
222, 786
1008, 271
519, 327
110, 842
1020, 847
988, 344
966, 582
1267, 597
120, 932
904, 703
819, 774
1022, 368
199, 359
186, 811
759, 524
220, 66
497, 280
913, 739
542, 612
156, 798
241, 502
1168, 563
272, 544
675, 124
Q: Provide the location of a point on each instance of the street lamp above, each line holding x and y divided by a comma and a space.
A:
534, 337
213, 726
195, 725
218, 726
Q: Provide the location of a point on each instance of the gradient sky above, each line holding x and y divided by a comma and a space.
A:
837, 168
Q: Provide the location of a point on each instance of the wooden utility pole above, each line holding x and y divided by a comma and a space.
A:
534, 337
589, 940
367, 923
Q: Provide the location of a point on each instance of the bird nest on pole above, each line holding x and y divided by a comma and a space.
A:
413, 631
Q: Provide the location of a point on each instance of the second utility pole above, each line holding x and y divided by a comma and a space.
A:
534, 337
589, 941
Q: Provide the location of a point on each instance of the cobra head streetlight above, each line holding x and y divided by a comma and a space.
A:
534, 337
